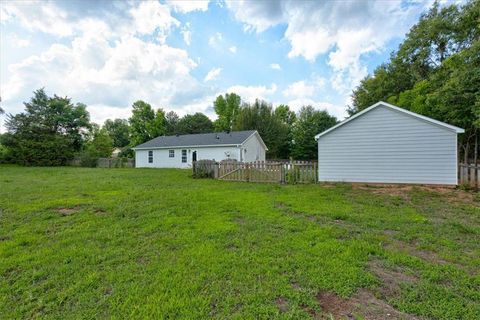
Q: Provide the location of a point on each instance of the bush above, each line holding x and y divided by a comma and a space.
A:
204, 169
88, 161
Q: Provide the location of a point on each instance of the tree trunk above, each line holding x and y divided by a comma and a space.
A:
465, 152
475, 159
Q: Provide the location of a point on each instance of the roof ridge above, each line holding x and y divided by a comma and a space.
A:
391, 106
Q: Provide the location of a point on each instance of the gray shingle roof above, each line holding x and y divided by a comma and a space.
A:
200, 139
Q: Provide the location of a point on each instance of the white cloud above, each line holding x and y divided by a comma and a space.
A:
100, 73
151, 16
212, 74
233, 49
105, 63
275, 66
257, 15
186, 6
299, 89
144, 18
343, 80
37, 15
20, 43
187, 33
214, 40
335, 110
250, 93
303, 43
304, 89
343, 30
99, 113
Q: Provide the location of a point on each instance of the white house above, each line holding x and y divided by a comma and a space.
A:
180, 150
387, 144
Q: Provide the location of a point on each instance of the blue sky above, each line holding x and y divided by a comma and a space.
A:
179, 55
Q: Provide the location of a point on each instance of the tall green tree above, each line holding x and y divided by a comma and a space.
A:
309, 123
227, 108
119, 131
145, 123
100, 145
440, 33
288, 117
260, 116
196, 123
48, 132
171, 123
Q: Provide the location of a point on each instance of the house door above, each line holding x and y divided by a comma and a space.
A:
194, 156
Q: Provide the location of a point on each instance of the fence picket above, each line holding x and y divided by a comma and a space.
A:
469, 175
257, 171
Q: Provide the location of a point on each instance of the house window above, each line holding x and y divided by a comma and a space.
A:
184, 156
171, 153
150, 156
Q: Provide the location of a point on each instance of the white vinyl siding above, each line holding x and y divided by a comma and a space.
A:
388, 146
253, 149
161, 157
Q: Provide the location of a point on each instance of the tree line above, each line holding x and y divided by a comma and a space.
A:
435, 72
53, 130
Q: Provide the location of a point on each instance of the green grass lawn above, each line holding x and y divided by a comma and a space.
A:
146, 243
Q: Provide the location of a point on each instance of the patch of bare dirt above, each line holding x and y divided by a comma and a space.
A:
282, 304
143, 260
456, 195
107, 291
296, 286
362, 304
411, 249
391, 278
63, 211
5, 238
449, 193
99, 211
334, 305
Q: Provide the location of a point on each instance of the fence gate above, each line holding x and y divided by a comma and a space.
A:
257, 171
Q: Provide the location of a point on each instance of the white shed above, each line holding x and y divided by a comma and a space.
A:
387, 144
180, 151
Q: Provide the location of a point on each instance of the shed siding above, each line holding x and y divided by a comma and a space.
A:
253, 149
387, 146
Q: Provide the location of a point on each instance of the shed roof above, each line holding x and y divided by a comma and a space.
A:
388, 105
214, 139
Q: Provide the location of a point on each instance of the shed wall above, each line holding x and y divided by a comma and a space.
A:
387, 146
253, 150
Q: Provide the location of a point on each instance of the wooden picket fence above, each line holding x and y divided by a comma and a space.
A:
469, 175
258, 171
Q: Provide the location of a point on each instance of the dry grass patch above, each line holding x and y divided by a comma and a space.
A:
391, 278
68, 211
404, 191
362, 305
